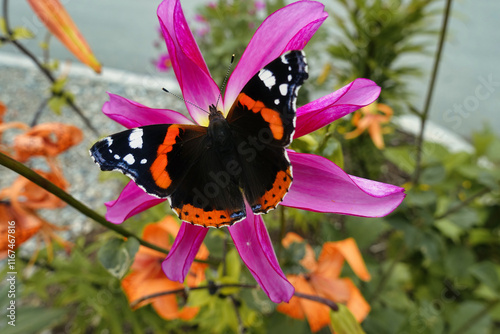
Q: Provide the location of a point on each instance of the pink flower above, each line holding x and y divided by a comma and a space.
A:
260, 5
319, 184
200, 18
163, 63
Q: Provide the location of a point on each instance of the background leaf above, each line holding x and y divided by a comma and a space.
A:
117, 255
343, 322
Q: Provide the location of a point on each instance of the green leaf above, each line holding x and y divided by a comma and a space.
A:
386, 321
233, 271
305, 143
488, 179
465, 314
458, 259
478, 236
22, 33
420, 198
365, 230
58, 86
333, 151
483, 291
291, 256
449, 229
117, 255
400, 157
343, 322
486, 273
233, 264
3, 28
56, 103
493, 151
34, 320
466, 217
432, 247
482, 141
433, 175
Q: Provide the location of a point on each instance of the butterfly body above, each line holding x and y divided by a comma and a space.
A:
208, 173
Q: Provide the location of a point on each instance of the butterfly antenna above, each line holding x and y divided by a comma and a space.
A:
225, 79
181, 98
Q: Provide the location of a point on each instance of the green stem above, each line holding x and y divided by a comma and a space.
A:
212, 287
318, 299
5, 9
241, 326
53, 189
466, 202
430, 91
476, 317
215, 287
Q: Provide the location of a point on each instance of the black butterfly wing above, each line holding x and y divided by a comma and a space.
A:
209, 196
173, 161
262, 121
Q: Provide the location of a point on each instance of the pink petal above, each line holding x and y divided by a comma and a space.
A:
320, 185
132, 200
132, 114
316, 114
256, 250
286, 29
190, 69
183, 251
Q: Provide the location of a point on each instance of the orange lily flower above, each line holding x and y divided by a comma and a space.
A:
22, 198
57, 20
24, 194
323, 280
26, 226
7, 126
368, 118
47, 139
148, 278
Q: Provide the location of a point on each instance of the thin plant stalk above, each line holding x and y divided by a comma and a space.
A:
430, 91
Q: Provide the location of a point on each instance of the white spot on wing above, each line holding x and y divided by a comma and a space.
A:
143, 161
129, 158
135, 138
289, 77
283, 89
277, 101
117, 157
267, 77
109, 140
284, 60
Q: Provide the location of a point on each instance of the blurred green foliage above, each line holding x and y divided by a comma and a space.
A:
375, 39
223, 28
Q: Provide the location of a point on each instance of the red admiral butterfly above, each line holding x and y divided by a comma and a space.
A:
207, 173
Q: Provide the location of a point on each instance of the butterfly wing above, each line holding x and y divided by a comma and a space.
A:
209, 196
262, 120
171, 161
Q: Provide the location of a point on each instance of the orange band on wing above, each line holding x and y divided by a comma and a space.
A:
274, 196
198, 216
158, 167
269, 115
